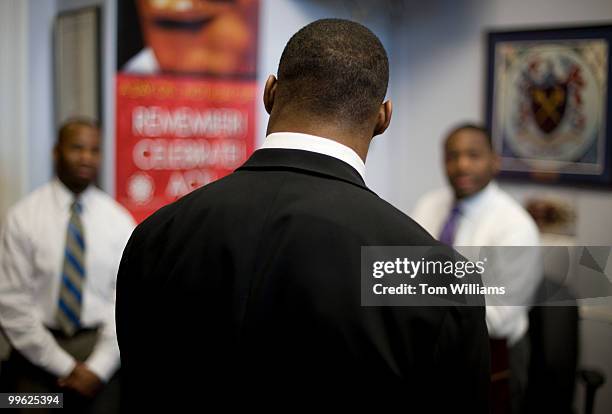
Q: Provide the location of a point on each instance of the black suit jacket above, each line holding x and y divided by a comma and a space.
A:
253, 282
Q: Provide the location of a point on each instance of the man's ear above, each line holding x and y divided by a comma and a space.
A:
496, 163
55, 153
383, 118
269, 93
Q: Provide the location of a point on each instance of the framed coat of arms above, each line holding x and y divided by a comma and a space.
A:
549, 103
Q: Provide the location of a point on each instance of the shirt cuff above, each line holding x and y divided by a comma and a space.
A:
61, 364
104, 366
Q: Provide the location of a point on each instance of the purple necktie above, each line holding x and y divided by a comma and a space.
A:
447, 236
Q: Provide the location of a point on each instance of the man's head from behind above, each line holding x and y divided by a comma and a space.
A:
469, 159
77, 153
332, 72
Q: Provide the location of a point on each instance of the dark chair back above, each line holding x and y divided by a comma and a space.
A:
553, 332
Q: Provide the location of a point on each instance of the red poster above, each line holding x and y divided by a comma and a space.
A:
185, 97
176, 134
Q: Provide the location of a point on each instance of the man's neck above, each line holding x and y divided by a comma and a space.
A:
74, 189
475, 196
351, 139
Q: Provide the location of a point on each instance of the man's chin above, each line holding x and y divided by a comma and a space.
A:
464, 192
79, 183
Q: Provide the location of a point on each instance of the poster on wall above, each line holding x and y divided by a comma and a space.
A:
185, 97
549, 104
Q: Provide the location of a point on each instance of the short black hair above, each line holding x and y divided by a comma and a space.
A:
334, 68
472, 127
68, 125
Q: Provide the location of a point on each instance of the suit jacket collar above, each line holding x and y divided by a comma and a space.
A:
305, 161
315, 143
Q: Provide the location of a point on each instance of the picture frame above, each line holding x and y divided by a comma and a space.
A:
549, 104
77, 65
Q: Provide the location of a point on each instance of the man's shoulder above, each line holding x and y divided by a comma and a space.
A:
111, 207
363, 214
435, 197
393, 213
405, 229
432, 208
32, 202
511, 209
345, 206
164, 216
517, 226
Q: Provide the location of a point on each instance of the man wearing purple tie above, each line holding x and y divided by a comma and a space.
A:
474, 211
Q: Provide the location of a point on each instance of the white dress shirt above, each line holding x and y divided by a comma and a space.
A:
144, 62
313, 143
33, 240
492, 218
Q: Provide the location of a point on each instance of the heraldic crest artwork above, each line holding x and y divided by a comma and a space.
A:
548, 103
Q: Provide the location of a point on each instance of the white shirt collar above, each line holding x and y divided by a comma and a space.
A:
313, 143
474, 202
65, 197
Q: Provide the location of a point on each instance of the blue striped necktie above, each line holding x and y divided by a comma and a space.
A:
73, 274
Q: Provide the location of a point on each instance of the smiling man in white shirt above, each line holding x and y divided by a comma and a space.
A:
474, 211
59, 254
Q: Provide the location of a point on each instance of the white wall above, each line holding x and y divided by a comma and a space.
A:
41, 128
13, 101
41, 132
13, 109
108, 29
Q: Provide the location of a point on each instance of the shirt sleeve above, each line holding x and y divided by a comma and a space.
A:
420, 210
24, 330
430, 211
519, 267
104, 360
